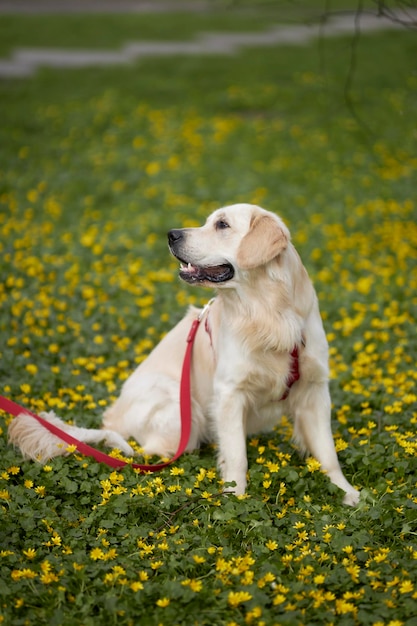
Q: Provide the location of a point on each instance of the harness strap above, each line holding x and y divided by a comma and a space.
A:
185, 410
294, 373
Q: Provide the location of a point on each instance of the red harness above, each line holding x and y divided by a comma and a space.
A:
185, 410
294, 373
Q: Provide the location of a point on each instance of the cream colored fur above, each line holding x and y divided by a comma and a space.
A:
239, 368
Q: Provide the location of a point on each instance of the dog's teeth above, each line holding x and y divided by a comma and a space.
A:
190, 267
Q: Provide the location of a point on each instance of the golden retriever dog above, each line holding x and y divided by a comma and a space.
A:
264, 316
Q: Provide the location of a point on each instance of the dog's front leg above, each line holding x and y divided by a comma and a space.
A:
230, 424
312, 432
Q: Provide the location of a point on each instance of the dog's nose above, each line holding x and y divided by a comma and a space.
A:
174, 236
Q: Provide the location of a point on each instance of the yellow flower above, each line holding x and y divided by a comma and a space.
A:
319, 579
299, 525
56, 540
193, 584
238, 597
313, 465
341, 445
198, 559
163, 602
381, 555
406, 586
354, 571
17, 574
343, 607
253, 614
30, 553
279, 599
271, 545
247, 578
78, 567
97, 554
111, 554
177, 471
136, 586
196, 585
49, 577
152, 168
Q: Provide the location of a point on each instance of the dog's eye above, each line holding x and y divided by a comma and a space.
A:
221, 225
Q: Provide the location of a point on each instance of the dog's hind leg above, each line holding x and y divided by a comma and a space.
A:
37, 443
109, 437
148, 410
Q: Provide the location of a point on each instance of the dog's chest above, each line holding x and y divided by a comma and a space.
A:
267, 375
260, 374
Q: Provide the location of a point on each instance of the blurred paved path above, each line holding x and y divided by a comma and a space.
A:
24, 62
103, 6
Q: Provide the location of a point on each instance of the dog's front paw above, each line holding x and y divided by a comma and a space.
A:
232, 488
234, 473
235, 486
352, 497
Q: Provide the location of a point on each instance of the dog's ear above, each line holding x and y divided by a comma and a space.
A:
264, 241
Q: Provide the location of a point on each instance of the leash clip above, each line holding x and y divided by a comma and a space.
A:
205, 309
197, 321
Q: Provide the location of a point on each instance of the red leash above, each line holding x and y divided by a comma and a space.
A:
185, 409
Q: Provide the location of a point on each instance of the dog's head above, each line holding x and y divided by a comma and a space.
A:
234, 240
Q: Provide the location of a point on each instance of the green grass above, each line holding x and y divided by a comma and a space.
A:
95, 167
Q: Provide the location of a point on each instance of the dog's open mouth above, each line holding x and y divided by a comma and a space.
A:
214, 274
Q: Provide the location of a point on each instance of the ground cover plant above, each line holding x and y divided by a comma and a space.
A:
95, 167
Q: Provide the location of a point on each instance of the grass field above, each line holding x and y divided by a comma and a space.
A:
95, 167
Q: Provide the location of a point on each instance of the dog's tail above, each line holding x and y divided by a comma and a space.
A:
37, 443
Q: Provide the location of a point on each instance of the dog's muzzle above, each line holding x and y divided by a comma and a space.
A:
196, 274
